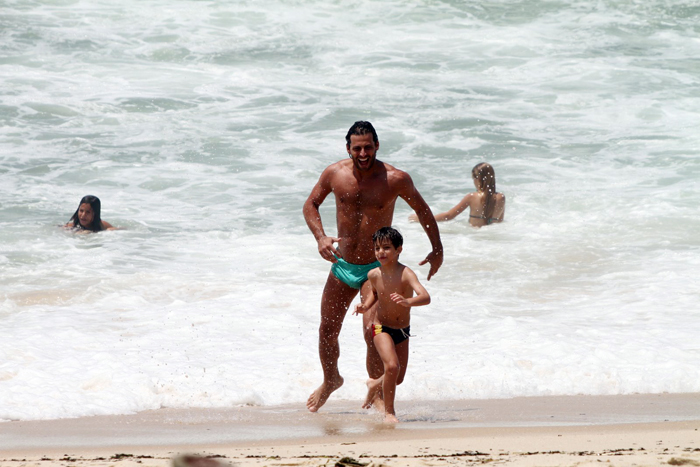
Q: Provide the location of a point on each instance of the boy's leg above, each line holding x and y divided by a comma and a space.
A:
402, 354
387, 351
336, 299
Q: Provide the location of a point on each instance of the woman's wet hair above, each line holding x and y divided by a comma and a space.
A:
388, 233
485, 175
96, 224
360, 128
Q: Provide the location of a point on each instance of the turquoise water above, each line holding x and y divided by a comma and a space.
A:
202, 126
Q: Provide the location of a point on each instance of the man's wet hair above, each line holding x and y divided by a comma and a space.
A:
388, 233
360, 128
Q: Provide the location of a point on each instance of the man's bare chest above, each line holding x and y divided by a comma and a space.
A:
372, 197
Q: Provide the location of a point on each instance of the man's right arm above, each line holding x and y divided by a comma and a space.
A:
312, 216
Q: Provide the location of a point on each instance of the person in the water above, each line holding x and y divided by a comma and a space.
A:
365, 191
486, 205
87, 216
396, 289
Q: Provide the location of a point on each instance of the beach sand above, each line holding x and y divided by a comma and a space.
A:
631, 430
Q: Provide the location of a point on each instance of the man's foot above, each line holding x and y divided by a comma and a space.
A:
390, 418
378, 403
374, 386
322, 393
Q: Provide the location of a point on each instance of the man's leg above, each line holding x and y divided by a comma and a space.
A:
375, 367
336, 299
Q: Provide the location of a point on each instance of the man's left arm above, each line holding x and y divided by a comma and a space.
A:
413, 198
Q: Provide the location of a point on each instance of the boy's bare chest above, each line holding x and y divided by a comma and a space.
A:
389, 285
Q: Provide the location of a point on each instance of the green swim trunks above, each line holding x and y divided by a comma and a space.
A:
353, 275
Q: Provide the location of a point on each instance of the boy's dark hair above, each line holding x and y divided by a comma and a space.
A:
388, 233
360, 128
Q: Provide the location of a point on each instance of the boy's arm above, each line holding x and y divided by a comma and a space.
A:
370, 299
367, 304
422, 296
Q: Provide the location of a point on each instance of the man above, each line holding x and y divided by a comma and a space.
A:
366, 191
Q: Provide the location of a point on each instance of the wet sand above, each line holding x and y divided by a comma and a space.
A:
573, 430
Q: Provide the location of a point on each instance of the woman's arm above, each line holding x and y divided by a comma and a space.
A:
456, 210
503, 208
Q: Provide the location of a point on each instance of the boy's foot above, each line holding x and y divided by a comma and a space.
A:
390, 418
374, 386
322, 393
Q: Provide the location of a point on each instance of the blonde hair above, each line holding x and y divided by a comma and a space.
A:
486, 177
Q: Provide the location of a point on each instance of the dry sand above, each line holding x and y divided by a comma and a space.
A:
636, 430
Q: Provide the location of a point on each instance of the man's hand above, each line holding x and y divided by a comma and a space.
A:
327, 250
435, 260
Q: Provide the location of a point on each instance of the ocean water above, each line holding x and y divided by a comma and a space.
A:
203, 125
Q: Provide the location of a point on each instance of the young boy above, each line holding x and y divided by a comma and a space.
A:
393, 285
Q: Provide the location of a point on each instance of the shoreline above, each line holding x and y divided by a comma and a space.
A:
520, 431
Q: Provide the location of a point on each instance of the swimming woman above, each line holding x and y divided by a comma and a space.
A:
486, 205
87, 216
